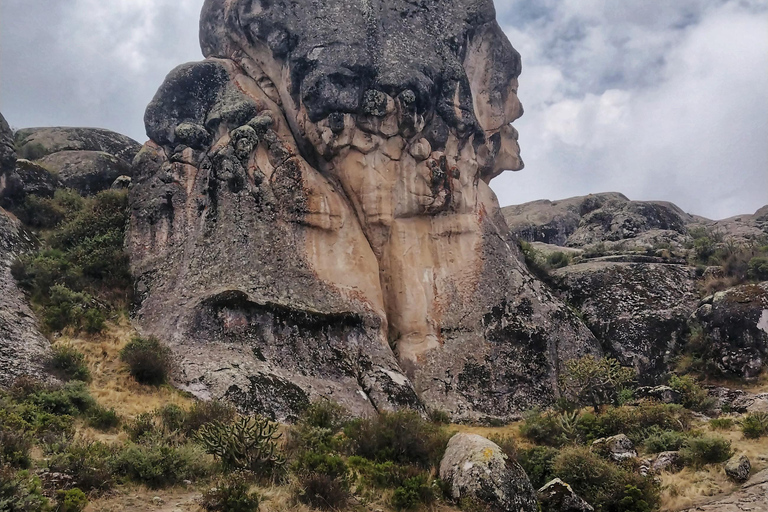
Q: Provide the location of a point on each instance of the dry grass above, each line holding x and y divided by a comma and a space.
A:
112, 386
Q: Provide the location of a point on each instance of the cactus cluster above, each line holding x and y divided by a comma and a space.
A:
249, 443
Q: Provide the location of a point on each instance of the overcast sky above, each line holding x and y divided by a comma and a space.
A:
658, 99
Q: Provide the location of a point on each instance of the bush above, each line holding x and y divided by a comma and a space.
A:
73, 500
231, 494
172, 417
148, 360
160, 464
89, 465
439, 416
414, 492
693, 395
142, 426
592, 381
14, 448
507, 444
203, 413
537, 463
699, 451
605, 485
245, 444
69, 363
322, 491
318, 428
664, 441
102, 418
73, 398
755, 425
21, 492
402, 437
69, 308
757, 269
637, 422
542, 428
721, 423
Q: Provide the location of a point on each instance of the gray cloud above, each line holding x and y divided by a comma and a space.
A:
658, 100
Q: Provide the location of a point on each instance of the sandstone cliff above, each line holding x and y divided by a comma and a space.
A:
312, 215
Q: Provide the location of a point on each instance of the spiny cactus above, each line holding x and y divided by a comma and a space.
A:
247, 443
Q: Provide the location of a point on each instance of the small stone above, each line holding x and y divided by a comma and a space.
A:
738, 468
157, 500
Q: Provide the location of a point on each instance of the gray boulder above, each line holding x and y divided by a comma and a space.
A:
558, 496
617, 448
738, 468
473, 467
751, 497
663, 394
7, 150
734, 327
27, 178
36, 143
670, 461
638, 311
88, 172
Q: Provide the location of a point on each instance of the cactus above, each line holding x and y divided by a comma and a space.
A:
246, 443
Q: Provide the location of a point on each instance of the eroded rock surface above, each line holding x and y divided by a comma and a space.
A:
558, 496
639, 311
313, 213
474, 468
751, 497
36, 143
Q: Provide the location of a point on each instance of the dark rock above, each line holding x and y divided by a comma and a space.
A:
663, 394
638, 311
121, 183
36, 143
88, 172
28, 178
7, 150
557, 496
738, 468
475, 468
735, 330
617, 448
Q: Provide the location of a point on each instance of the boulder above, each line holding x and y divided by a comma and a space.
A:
639, 311
312, 215
663, 394
734, 330
121, 183
751, 497
36, 143
7, 150
88, 172
27, 178
475, 468
670, 461
617, 448
557, 496
23, 349
738, 468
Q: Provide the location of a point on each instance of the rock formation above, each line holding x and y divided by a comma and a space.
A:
751, 497
312, 214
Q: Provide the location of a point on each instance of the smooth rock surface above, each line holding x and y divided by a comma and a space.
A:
617, 448
36, 143
670, 461
558, 496
474, 467
24, 179
738, 467
88, 172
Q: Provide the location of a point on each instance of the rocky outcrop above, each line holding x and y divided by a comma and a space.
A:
751, 497
558, 496
737, 400
23, 349
26, 178
7, 151
734, 330
312, 215
474, 468
597, 218
88, 172
738, 468
670, 461
617, 448
36, 143
638, 311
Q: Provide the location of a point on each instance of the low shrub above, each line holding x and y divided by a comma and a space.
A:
20, 491
160, 464
322, 491
542, 428
402, 437
69, 363
380, 475
73, 398
693, 395
636, 422
231, 494
757, 268
148, 360
172, 418
79, 310
203, 413
592, 381
702, 450
537, 462
439, 416
754, 425
414, 492
102, 418
318, 428
664, 441
142, 426
721, 423
244, 444
73, 500
14, 448
89, 464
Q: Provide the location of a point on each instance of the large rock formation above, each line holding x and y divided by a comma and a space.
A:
312, 215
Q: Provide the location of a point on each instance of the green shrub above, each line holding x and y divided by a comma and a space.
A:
401, 437
14, 448
439, 416
203, 413
39, 212
142, 426
318, 428
231, 494
69, 308
605, 485
664, 441
754, 425
102, 418
73, 500
757, 268
160, 464
637, 422
542, 428
414, 492
69, 363
172, 417
595, 381
558, 259
310, 462
21, 491
148, 360
693, 395
73, 398
380, 475
721, 423
245, 444
537, 463
322, 491
89, 464
699, 451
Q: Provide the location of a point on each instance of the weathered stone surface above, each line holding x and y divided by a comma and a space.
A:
617, 448
88, 172
738, 467
121, 183
22, 348
667, 461
738, 400
734, 324
558, 496
638, 311
26, 178
751, 497
313, 212
36, 143
663, 394
473, 467
7, 151
596, 218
